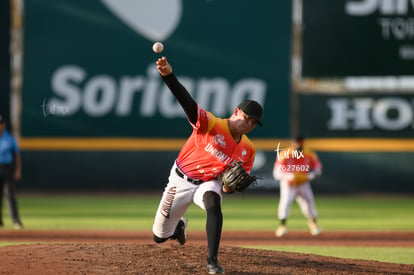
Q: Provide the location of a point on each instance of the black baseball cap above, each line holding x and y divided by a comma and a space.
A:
300, 137
252, 109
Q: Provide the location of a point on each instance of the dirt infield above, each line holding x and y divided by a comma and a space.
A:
107, 252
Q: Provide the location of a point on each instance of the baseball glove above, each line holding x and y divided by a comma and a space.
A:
236, 179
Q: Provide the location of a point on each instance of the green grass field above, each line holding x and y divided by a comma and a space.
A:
248, 212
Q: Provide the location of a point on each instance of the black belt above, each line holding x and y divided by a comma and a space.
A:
182, 175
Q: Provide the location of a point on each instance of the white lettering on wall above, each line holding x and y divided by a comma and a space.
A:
367, 113
346, 114
392, 20
146, 95
64, 84
384, 7
99, 95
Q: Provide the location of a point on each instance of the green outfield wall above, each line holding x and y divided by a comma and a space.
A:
379, 115
92, 73
96, 115
363, 38
5, 61
343, 172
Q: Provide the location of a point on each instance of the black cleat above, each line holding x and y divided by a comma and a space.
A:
180, 235
213, 266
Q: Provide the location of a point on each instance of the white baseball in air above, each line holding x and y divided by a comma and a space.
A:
158, 47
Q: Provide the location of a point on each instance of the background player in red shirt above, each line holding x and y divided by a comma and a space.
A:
214, 145
295, 167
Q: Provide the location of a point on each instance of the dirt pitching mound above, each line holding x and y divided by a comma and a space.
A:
171, 258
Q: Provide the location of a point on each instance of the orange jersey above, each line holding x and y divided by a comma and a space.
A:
211, 149
298, 163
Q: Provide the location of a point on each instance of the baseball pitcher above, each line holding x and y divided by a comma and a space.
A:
214, 146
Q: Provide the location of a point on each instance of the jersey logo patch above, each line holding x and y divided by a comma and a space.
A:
219, 139
242, 158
